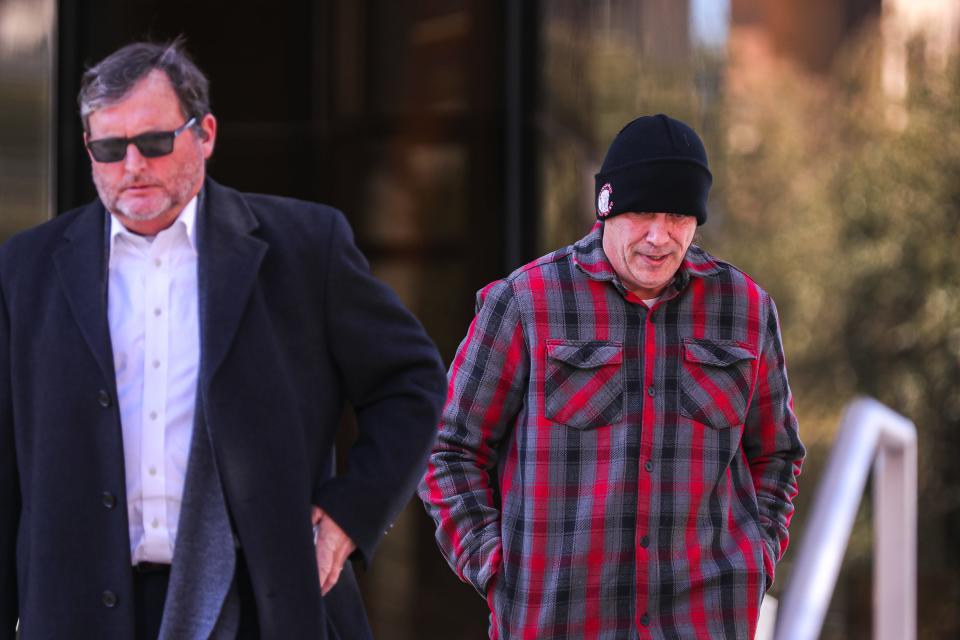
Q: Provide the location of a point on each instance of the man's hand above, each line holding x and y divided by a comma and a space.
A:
333, 546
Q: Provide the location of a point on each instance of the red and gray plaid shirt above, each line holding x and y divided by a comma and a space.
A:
605, 470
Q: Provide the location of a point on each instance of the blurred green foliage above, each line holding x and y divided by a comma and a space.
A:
846, 205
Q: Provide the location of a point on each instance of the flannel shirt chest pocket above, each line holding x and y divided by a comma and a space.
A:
716, 381
583, 384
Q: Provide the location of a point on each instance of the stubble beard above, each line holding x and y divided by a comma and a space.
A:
174, 193
652, 277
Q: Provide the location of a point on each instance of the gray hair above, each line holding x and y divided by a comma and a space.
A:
112, 78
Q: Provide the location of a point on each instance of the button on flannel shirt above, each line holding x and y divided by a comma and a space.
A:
604, 470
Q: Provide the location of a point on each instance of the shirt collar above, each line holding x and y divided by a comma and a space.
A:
187, 218
589, 257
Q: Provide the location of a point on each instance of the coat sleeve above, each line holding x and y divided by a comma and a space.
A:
393, 377
486, 389
772, 444
9, 486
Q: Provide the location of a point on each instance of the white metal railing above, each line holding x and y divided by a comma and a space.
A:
870, 435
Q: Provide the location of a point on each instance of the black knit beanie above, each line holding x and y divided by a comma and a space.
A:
654, 164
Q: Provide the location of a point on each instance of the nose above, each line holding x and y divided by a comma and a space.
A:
657, 229
133, 162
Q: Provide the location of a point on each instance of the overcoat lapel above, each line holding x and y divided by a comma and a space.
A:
82, 269
202, 599
229, 261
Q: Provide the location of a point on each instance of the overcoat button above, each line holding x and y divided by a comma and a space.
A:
103, 398
109, 599
108, 499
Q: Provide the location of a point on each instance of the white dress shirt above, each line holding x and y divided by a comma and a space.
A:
154, 330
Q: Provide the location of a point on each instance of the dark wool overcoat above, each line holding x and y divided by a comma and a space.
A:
293, 326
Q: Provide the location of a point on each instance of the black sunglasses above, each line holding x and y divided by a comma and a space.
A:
152, 144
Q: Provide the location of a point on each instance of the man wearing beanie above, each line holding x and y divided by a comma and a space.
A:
618, 453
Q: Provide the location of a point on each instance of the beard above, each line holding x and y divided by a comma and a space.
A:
167, 197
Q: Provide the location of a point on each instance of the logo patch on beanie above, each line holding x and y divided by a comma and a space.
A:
604, 203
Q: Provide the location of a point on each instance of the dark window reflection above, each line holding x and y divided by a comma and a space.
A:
26, 74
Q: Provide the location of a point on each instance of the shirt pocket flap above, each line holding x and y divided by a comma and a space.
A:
714, 353
583, 383
585, 355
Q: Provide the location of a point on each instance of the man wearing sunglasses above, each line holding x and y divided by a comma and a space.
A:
174, 361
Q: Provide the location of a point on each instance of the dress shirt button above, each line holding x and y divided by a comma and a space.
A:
103, 398
650, 391
157, 311
158, 262
152, 471
156, 364
645, 620
155, 523
645, 541
108, 499
109, 599
648, 466
153, 415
